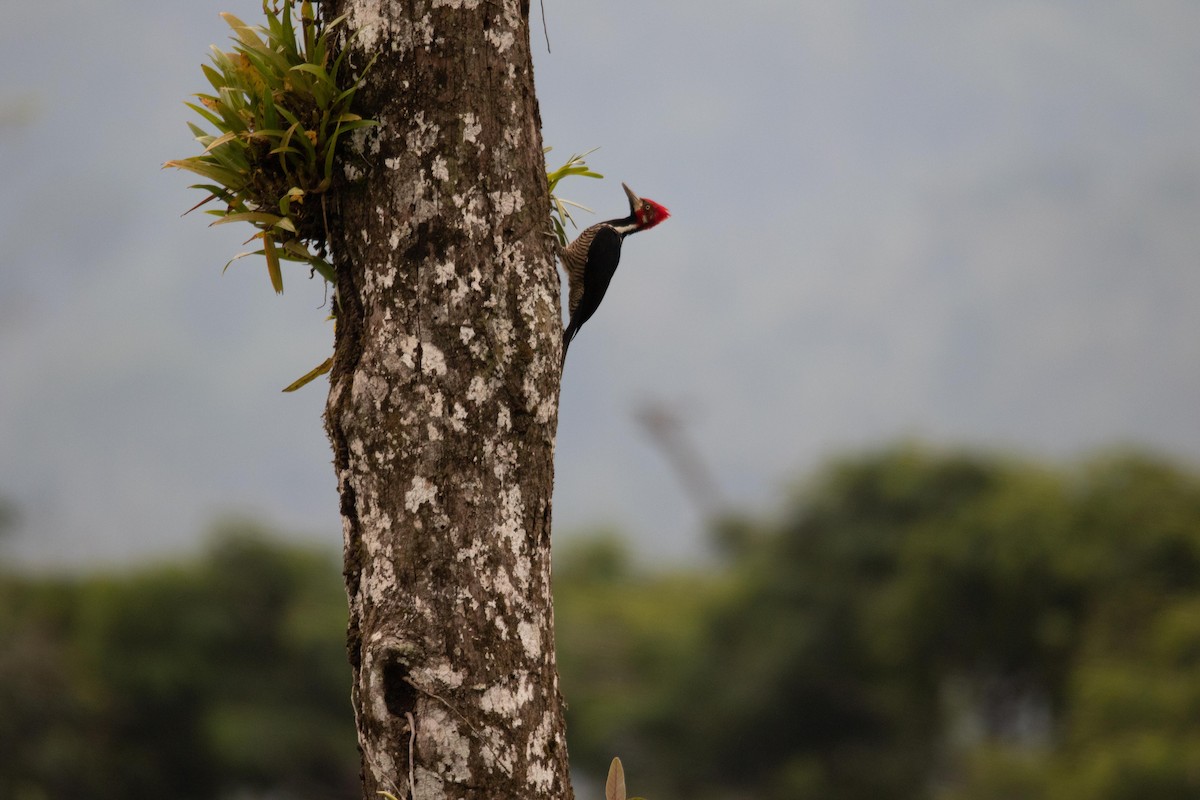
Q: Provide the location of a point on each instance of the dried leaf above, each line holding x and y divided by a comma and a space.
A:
614, 787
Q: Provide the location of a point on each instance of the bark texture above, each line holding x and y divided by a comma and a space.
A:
443, 405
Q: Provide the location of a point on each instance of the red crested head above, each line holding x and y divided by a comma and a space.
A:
647, 212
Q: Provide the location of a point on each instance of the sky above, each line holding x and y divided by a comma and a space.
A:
966, 223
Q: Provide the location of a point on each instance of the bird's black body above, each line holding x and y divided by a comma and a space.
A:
591, 260
597, 258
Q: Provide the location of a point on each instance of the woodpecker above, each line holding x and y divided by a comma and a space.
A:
592, 258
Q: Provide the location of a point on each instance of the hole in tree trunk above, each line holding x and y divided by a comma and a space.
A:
398, 694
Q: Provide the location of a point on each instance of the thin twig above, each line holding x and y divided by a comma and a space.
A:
544, 29
483, 742
412, 735
444, 702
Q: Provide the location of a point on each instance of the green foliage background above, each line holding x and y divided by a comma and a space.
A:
912, 624
181, 681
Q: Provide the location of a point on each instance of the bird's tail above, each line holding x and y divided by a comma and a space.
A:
568, 335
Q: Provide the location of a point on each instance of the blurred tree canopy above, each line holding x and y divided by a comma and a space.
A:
912, 624
206, 680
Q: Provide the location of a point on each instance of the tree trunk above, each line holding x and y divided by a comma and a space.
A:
443, 405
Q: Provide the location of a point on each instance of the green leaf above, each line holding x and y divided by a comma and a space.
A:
222, 175
305, 379
232, 156
257, 217
324, 269
220, 140
287, 32
305, 143
331, 152
294, 250
315, 69
244, 32
230, 107
560, 214
285, 142
241, 256
267, 134
221, 59
307, 20
202, 136
346, 127
270, 118
272, 263
231, 20
204, 112
215, 78
281, 32
271, 66
213, 189
317, 49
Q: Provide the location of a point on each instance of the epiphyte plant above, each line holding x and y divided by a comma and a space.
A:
279, 112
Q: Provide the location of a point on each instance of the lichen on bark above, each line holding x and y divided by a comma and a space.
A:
443, 405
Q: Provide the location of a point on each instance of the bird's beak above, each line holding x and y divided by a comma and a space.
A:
634, 200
